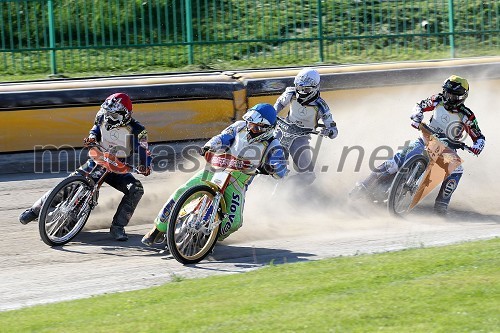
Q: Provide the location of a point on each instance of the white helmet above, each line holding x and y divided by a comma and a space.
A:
306, 85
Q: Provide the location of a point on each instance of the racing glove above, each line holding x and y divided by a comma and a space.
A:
203, 150
89, 141
416, 118
144, 170
330, 132
478, 146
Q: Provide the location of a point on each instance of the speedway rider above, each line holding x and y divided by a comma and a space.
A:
450, 118
248, 139
306, 109
116, 130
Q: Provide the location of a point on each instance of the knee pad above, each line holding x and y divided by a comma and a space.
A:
391, 166
136, 189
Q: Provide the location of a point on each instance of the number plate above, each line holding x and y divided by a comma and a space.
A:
220, 178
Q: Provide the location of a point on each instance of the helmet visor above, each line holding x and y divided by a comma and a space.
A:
304, 89
454, 98
257, 128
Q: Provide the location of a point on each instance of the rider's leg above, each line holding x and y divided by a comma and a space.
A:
387, 169
392, 165
161, 220
33, 212
302, 156
448, 186
133, 190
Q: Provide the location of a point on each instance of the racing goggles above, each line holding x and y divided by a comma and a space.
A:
454, 98
114, 115
257, 128
304, 89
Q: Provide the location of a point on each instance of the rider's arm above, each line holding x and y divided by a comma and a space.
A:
330, 129
95, 131
426, 105
284, 99
226, 137
472, 128
141, 146
143, 149
275, 159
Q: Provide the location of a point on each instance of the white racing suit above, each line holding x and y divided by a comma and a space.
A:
451, 123
306, 116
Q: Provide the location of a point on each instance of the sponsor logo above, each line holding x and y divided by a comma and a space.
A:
106, 159
235, 204
302, 111
114, 135
143, 135
445, 118
228, 161
450, 187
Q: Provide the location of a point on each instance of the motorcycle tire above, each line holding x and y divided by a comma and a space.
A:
59, 232
400, 186
186, 244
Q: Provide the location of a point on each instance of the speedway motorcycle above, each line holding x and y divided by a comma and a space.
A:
421, 173
68, 206
195, 222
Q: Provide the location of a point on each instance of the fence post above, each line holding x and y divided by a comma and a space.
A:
320, 33
189, 31
52, 38
451, 15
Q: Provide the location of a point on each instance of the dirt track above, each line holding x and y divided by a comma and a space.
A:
291, 226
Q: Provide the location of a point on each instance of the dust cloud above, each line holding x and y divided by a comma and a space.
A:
374, 121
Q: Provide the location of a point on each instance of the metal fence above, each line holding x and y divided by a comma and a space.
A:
94, 36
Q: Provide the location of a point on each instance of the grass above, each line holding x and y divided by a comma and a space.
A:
446, 289
120, 37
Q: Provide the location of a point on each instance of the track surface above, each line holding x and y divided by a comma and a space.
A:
293, 225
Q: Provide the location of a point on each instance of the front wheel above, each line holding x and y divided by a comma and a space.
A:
65, 210
405, 185
192, 232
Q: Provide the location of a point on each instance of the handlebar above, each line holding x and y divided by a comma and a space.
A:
110, 161
444, 139
294, 129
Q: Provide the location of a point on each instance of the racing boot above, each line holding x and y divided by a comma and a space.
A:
27, 216
443, 198
118, 233
440, 208
154, 236
359, 191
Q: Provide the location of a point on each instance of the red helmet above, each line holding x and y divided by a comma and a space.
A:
117, 110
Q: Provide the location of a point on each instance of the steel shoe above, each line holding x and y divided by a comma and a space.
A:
27, 216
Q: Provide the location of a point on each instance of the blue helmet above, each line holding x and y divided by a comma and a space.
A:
261, 120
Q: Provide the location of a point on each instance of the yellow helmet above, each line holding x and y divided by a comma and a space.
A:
455, 91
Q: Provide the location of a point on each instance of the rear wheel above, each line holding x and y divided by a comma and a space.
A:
190, 235
405, 185
65, 211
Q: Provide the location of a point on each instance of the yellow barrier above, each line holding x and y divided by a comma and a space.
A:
188, 106
58, 127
